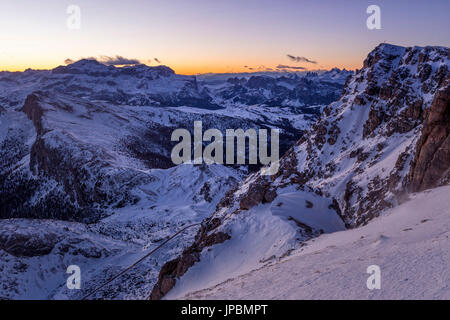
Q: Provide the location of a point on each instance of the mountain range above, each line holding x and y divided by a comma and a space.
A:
86, 177
385, 138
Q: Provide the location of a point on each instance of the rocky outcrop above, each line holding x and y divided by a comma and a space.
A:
34, 110
28, 244
174, 269
431, 165
258, 192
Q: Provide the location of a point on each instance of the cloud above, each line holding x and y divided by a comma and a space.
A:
117, 61
282, 66
109, 61
300, 59
260, 68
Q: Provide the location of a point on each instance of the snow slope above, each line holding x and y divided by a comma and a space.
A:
261, 234
409, 243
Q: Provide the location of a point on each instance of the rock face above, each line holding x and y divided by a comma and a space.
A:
431, 165
176, 268
259, 192
386, 136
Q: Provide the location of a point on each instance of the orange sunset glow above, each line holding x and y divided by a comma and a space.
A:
221, 37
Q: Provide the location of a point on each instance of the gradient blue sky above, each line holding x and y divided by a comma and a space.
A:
196, 36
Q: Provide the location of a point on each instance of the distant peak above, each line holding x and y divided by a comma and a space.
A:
84, 62
83, 65
91, 66
390, 49
388, 45
162, 68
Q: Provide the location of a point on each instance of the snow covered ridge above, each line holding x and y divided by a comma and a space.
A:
387, 136
410, 244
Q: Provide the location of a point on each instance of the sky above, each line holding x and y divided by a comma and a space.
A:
201, 36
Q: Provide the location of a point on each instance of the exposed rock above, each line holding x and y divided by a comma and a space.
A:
186, 261
375, 119
255, 195
270, 195
206, 192
166, 279
333, 134
214, 238
176, 268
385, 92
28, 245
24, 243
431, 165
425, 72
360, 100
34, 110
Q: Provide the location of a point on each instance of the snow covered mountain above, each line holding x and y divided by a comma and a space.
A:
287, 90
137, 85
387, 136
86, 176
141, 85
